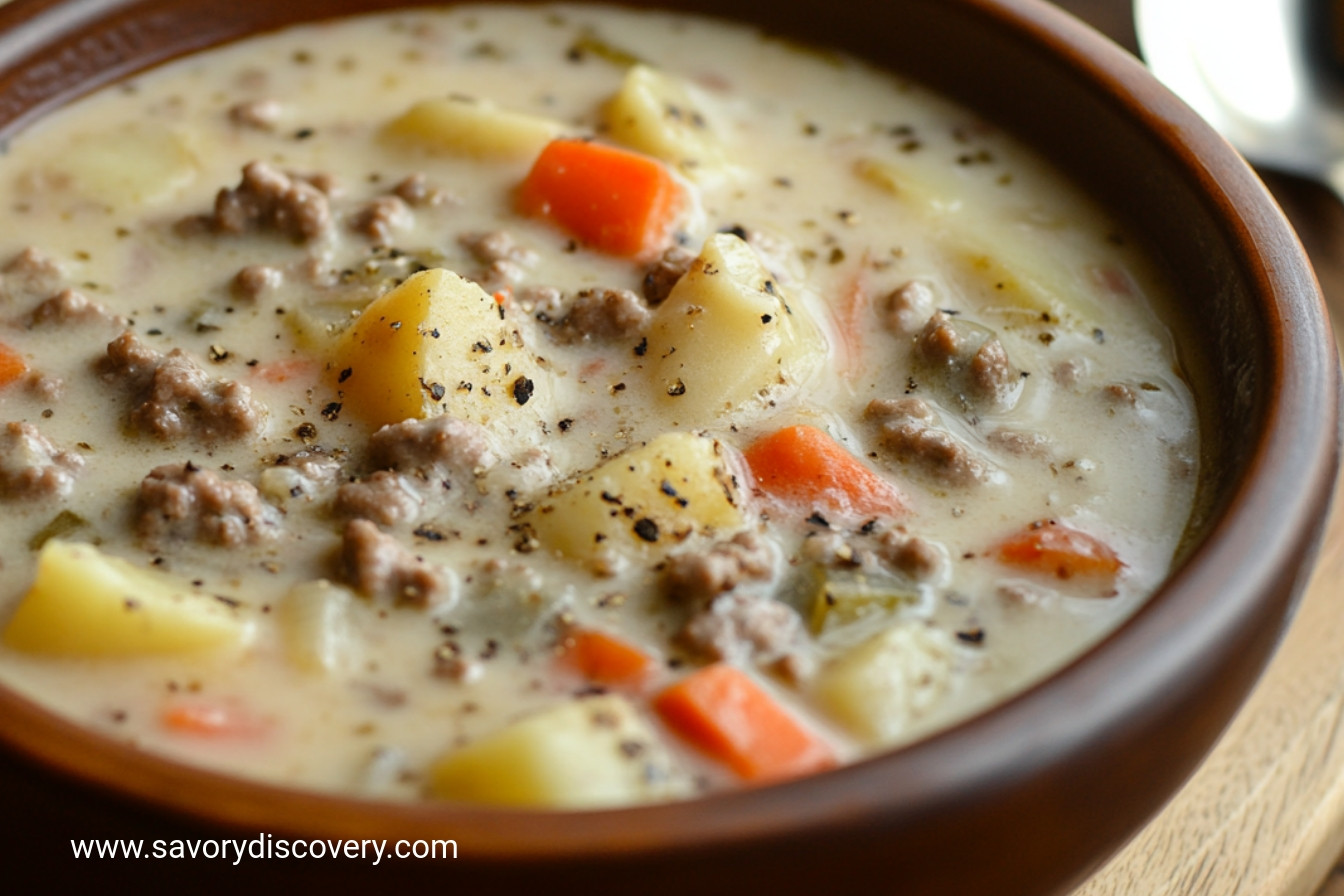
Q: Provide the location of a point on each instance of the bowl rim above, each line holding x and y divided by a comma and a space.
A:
1289, 477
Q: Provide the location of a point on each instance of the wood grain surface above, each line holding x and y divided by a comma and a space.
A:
1264, 814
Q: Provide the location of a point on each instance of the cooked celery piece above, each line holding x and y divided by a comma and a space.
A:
841, 598
588, 753
61, 525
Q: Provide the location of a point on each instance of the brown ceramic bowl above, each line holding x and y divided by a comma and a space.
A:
1024, 799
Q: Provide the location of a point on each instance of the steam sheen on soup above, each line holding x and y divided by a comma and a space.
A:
561, 406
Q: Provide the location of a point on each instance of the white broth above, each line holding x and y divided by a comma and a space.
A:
482, 403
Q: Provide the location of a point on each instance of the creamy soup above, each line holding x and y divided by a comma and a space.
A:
561, 406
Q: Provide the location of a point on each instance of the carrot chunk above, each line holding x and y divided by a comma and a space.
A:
606, 659
720, 710
12, 365
1051, 548
285, 370
804, 466
612, 199
214, 719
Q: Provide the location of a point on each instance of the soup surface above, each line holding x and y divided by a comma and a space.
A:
561, 406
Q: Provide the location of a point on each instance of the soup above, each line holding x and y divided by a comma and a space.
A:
562, 406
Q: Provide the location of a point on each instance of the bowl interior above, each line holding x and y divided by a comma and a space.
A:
1088, 754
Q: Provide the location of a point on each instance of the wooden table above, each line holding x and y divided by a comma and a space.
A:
1264, 814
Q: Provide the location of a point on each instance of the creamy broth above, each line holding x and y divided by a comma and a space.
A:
844, 263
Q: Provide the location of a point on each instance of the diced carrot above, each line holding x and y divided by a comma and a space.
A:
723, 712
1051, 548
606, 659
12, 365
215, 719
802, 465
287, 370
849, 310
614, 200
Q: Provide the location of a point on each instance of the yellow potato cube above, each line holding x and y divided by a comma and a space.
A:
588, 753
647, 500
86, 603
657, 114
315, 627
881, 687
1014, 266
727, 336
473, 128
137, 162
438, 344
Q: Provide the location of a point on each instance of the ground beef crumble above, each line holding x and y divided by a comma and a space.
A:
908, 307
603, 315
893, 550
378, 566
71, 307
743, 627
381, 217
909, 433
505, 261
972, 359
30, 273
663, 274
385, 497
31, 467
259, 115
698, 576
187, 503
435, 447
269, 200
727, 623
174, 397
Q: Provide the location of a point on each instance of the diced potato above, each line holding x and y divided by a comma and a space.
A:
648, 499
86, 603
314, 621
438, 344
474, 128
996, 257
588, 753
657, 114
137, 162
922, 188
841, 599
878, 688
727, 336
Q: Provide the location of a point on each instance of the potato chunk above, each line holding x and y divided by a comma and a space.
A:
588, 753
657, 114
646, 500
1014, 265
878, 688
137, 162
314, 621
86, 603
438, 344
474, 128
727, 336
